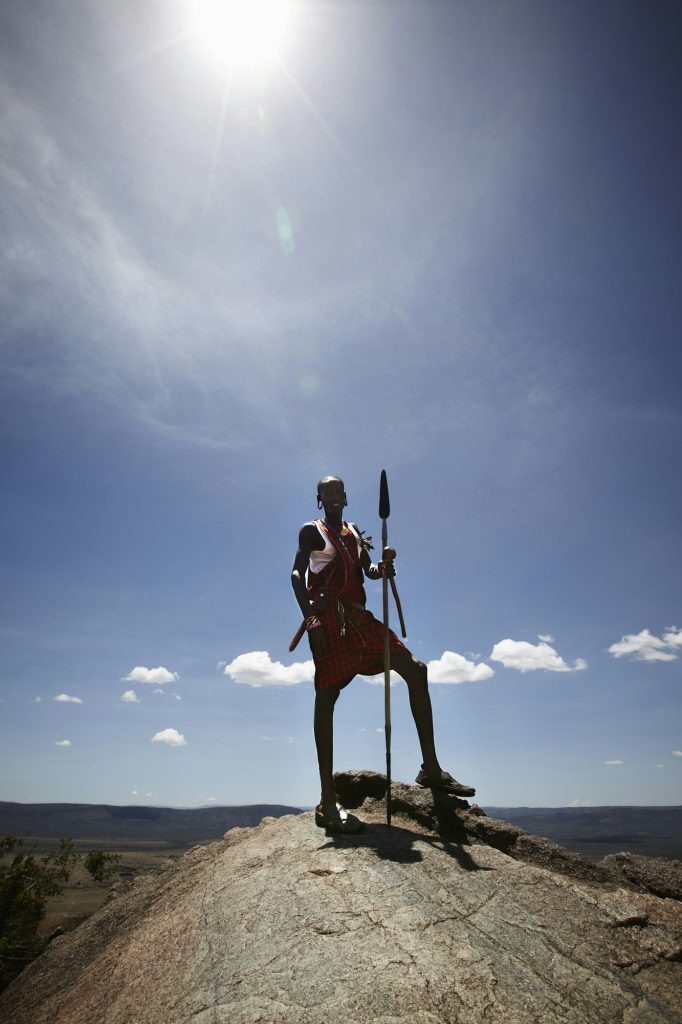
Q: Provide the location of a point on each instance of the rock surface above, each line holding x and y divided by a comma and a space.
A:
425, 923
456, 820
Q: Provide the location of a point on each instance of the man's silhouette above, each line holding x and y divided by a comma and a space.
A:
346, 640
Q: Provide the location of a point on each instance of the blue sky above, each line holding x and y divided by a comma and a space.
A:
440, 238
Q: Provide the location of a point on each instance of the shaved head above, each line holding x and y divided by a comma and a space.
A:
329, 480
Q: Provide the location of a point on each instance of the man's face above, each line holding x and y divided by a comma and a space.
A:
333, 496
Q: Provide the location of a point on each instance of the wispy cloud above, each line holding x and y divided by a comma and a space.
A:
130, 697
547, 639
645, 646
76, 235
615, 761
256, 668
579, 803
677, 753
276, 739
63, 743
170, 736
66, 699
527, 657
141, 674
455, 668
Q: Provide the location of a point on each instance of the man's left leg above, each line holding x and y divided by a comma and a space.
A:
414, 674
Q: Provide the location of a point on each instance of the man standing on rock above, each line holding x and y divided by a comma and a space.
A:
346, 640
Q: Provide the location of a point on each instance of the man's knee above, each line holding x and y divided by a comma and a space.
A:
421, 673
414, 673
326, 699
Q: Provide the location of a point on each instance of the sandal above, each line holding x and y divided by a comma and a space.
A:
446, 784
342, 823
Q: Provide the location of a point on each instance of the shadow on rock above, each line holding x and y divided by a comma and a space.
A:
434, 810
459, 824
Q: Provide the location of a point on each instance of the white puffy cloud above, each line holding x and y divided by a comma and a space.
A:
378, 679
65, 698
455, 668
673, 636
580, 803
63, 743
130, 697
615, 761
645, 646
159, 675
527, 657
547, 639
170, 736
256, 668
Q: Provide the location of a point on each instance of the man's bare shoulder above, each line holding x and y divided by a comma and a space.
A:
309, 537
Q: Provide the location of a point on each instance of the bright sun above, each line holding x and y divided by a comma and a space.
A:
245, 34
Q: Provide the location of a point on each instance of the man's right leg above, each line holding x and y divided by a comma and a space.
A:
414, 674
324, 742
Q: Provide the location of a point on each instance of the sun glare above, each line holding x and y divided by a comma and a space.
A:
244, 34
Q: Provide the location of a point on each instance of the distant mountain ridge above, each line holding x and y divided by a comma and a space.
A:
596, 831
592, 831
182, 826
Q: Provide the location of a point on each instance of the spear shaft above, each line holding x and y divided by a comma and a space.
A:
384, 513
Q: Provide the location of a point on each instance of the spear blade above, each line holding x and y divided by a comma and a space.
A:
384, 503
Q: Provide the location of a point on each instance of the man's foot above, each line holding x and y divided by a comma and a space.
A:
443, 782
337, 819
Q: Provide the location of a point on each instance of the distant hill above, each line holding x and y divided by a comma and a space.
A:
591, 831
176, 826
598, 831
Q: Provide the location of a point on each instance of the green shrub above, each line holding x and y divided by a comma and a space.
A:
27, 881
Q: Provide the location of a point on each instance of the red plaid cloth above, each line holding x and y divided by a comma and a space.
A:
361, 650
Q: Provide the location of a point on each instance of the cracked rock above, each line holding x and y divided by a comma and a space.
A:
427, 923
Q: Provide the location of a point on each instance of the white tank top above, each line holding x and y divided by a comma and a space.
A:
318, 559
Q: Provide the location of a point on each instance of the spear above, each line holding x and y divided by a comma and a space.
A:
384, 513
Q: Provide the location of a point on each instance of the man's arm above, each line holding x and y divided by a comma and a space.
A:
375, 571
309, 540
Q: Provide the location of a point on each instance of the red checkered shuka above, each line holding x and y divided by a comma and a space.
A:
360, 649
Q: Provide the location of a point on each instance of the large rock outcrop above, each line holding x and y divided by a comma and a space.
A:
430, 922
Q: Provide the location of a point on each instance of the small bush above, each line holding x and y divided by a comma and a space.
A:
27, 881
